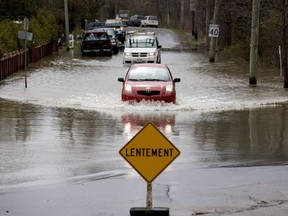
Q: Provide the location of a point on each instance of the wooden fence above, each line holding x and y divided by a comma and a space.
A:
38, 52
12, 62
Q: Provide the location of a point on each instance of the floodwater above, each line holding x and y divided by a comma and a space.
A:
70, 122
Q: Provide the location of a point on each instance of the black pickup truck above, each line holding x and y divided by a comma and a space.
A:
96, 41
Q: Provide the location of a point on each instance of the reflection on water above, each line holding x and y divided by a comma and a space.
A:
256, 136
271, 140
133, 122
71, 122
47, 144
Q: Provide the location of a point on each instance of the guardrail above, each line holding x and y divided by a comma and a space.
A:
14, 61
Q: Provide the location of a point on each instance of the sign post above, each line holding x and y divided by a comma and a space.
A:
149, 152
213, 34
25, 35
149, 199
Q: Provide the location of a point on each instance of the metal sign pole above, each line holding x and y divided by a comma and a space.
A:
25, 35
25, 59
149, 196
151, 139
25, 30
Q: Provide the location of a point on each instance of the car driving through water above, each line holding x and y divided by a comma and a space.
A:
153, 82
142, 47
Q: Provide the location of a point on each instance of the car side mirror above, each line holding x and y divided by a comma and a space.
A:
176, 80
159, 46
121, 79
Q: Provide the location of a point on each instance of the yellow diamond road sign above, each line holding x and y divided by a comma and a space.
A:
149, 152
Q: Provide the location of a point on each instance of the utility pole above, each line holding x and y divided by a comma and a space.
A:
284, 46
213, 40
207, 23
66, 24
254, 42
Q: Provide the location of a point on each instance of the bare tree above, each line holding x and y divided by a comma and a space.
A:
284, 44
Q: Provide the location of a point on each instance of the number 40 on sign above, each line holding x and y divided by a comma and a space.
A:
213, 30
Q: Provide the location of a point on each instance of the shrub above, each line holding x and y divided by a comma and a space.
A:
44, 27
239, 49
8, 37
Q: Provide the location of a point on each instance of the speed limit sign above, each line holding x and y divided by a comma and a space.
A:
213, 30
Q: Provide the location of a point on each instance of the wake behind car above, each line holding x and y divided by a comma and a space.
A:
153, 82
142, 47
96, 41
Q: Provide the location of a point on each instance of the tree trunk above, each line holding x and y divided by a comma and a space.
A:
194, 19
284, 46
182, 14
168, 13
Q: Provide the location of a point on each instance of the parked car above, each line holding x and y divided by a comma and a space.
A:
93, 25
150, 21
119, 28
153, 82
113, 38
96, 41
135, 20
142, 47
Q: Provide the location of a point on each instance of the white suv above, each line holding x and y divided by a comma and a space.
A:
142, 47
150, 21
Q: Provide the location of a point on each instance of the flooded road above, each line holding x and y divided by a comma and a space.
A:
70, 123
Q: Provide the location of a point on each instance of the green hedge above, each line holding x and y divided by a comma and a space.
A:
44, 27
8, 37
